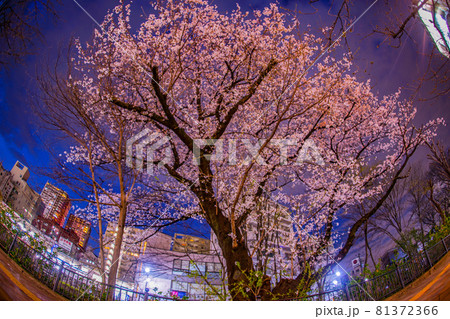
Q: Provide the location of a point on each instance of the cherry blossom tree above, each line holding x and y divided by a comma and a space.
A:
253, 108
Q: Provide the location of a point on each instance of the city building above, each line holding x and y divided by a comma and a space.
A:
6, 184
16, 191
183, 243
66, 239
178, 266
196, 274
57, 203
80, 227
130, 251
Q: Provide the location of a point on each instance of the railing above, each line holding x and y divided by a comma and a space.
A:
61, 277
70, 283
403, 273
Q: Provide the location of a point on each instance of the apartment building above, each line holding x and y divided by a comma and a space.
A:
57, 203
16, 191
80, 227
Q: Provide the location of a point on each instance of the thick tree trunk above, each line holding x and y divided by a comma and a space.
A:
238, 262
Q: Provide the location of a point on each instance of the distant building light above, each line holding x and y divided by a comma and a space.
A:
335, 282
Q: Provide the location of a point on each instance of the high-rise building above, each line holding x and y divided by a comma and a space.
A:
16, 191
268, 233
6, 184
81, 227
57, 203
130, 251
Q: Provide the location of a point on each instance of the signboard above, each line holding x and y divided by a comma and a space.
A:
65, 243
355, 262
178, 294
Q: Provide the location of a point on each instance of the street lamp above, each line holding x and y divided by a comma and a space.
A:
147, 279
338, 273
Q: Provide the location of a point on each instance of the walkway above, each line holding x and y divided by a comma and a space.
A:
17, 284
434, 285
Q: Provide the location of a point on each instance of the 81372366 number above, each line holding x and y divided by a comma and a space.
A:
407, 310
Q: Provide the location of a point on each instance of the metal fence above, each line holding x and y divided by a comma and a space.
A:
403, 272
61, 277
74, 285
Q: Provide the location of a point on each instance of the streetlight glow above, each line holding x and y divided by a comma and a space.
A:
147, 269
338, 273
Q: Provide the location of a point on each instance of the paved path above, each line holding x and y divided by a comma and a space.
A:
434, 285
17, 284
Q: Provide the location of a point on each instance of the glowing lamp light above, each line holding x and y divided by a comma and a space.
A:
338, 273
335, 282
147, 269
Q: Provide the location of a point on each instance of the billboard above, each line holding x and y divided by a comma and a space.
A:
65, 243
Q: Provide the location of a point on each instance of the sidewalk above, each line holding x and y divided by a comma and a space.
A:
17, 285
434, 285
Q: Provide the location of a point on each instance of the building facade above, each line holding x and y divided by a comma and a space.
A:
57, 203
6, 184
188, 243
181, 274
80, 227
178, 266
17, 193
268, 232
130, 251
65, 239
